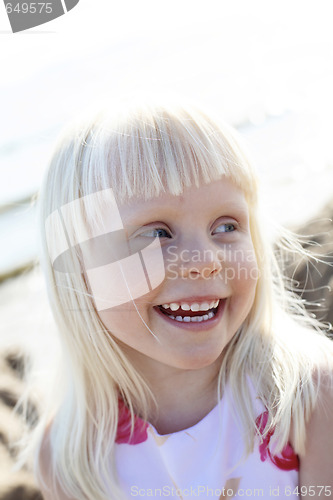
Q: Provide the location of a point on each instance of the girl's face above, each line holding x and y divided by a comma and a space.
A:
209, 283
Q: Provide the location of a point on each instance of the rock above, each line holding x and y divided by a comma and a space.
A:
14, 484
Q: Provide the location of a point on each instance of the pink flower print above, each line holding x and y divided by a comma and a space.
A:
139, 434
287, 459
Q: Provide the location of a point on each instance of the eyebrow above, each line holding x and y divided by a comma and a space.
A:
147, 216
134, 218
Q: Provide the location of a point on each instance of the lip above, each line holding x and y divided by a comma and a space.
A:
196, 326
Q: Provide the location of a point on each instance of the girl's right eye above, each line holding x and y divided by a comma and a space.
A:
158, 232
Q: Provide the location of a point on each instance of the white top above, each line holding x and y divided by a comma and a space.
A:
200, 463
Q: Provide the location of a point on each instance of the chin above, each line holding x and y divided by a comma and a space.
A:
196, 360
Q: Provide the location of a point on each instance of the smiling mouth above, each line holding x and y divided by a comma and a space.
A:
190, 316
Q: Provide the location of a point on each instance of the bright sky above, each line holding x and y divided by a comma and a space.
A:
232, 28
249, 59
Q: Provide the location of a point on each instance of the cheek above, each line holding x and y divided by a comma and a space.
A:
241, 272
126, 325
121, 321
117, 283
126, 321
243, 279
113, 320
243, 290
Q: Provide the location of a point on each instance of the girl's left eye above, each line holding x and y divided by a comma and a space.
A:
228, 227
158, 232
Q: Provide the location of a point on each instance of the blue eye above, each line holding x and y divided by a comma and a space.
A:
225, 228
156, 232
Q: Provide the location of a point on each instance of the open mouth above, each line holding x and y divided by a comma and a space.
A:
195, 313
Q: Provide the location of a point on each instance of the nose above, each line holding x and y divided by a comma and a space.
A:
203, 269
199, 260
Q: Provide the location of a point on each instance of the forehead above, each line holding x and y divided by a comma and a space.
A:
216, 195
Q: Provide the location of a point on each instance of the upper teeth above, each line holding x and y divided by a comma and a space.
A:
204, 306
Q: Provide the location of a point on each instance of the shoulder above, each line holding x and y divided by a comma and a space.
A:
316, 462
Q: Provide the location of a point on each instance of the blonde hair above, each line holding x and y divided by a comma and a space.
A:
145, 150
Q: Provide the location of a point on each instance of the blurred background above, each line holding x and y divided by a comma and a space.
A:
265, 66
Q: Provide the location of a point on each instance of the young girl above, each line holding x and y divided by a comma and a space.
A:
188, 371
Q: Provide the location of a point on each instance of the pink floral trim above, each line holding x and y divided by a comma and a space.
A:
139, 434
287, 460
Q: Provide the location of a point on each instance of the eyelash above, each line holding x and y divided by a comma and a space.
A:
218, 232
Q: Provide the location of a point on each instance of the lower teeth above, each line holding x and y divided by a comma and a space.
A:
193, 319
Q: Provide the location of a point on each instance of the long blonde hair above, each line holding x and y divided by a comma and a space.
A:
144, 150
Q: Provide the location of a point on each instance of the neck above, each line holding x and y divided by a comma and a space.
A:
184, 397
